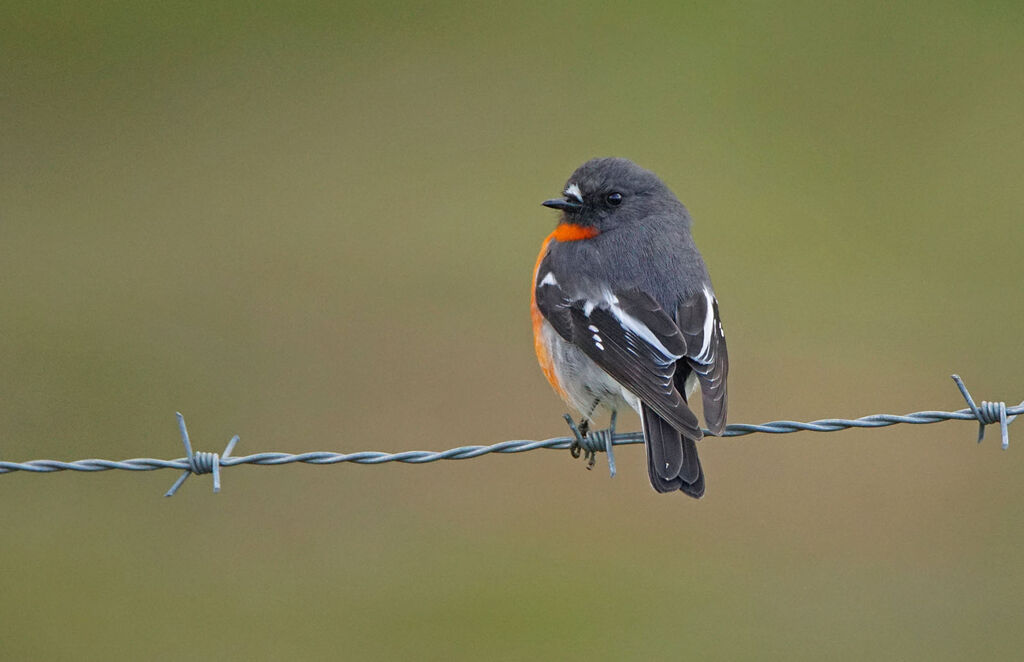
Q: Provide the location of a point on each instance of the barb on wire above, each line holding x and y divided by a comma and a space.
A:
989, 412
200, 462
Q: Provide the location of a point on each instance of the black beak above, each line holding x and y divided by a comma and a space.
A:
563, 204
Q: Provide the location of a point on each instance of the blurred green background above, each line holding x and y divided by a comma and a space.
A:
314, 226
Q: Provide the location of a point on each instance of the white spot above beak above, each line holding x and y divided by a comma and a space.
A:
573, 191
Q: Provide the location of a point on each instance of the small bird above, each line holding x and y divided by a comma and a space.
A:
624, 314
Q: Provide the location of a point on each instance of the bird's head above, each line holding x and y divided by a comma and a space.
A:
607, 193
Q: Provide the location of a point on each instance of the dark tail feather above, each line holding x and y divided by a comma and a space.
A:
665, 451
695, 487
672, 461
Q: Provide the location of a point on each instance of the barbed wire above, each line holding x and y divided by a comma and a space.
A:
600, 441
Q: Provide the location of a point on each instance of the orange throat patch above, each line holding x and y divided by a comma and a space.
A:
571, 232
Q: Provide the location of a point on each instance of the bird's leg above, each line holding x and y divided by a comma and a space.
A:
580, 433
578, 441
589, 453
589, 442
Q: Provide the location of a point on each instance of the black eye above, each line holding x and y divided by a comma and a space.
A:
614, 199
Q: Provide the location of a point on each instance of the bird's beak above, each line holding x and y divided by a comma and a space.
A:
563, 204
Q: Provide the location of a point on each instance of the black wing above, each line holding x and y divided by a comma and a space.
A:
631, 338
699, 321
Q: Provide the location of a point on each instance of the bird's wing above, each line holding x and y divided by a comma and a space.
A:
698, 319
630, 337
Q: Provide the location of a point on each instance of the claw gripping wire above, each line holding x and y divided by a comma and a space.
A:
595, 441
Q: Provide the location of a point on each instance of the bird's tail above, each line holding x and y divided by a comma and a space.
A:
672, 460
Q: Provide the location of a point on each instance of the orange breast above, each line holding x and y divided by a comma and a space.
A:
564, 232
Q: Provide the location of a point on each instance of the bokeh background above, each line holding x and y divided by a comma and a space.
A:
314, 226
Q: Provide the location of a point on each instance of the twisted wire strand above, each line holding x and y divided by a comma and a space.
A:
201, 462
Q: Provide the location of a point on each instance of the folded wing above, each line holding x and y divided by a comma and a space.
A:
701, 326
631, 338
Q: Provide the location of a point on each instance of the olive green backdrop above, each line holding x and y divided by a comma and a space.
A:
314, 226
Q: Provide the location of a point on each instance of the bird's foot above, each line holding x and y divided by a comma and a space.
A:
592, 443
579, 433
581, 441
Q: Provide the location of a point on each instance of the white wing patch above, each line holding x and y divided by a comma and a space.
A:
573, 191
549, 279
709, 327
640, 329
628, 322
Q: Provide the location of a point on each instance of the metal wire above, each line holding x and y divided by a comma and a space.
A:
201, 462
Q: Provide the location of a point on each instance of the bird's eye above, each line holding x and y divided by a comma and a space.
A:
614, 199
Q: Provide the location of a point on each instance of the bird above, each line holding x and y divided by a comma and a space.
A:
624, 314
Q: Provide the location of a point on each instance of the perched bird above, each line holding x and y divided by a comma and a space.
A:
624, 314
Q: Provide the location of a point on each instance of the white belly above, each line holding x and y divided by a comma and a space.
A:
587, 387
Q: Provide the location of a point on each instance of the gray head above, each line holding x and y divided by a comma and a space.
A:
611, 192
